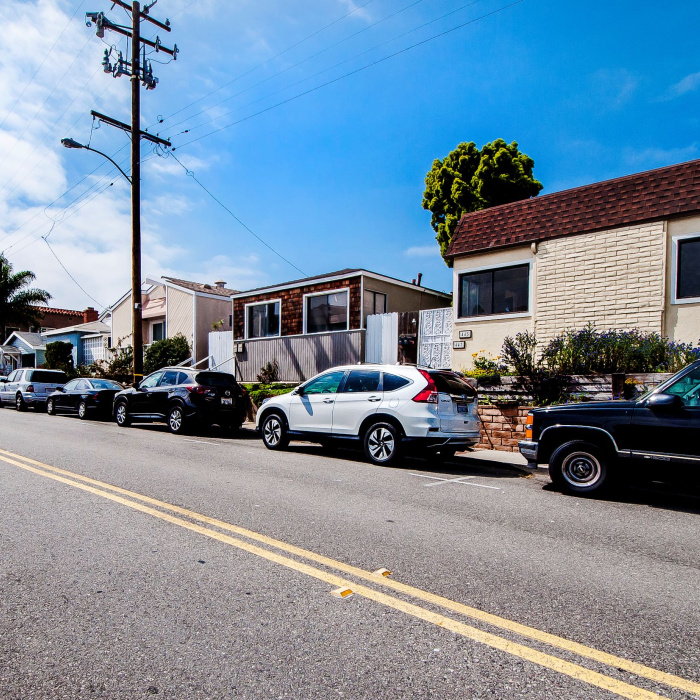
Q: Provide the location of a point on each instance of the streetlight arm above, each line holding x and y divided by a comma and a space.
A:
116, 165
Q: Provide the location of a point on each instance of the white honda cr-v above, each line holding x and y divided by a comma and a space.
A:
385, 407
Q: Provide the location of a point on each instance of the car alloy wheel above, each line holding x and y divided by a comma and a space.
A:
176, 420
274, 433
82, 410
382, 443
121, 415
50, 407
19, 402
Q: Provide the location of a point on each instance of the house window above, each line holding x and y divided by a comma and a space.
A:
504, 290
688, 272
326, 312
263, 320
157, 331
375, 303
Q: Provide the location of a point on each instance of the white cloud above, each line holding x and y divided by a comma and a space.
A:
422, 251
688, 84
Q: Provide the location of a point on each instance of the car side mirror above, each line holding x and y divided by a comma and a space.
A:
664, 402
60, 388
299, 391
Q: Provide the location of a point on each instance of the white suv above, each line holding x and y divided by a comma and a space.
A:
387, 407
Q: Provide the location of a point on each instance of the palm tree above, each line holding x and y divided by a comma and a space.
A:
18, 302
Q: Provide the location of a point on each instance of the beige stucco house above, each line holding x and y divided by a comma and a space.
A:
171, 306
620, 254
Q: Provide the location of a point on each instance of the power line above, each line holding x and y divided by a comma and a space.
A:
31, 80
321, 72
101, 305
260, 65
295, 65
357, 70
191, 174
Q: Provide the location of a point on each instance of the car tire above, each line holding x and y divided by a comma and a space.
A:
274, 432
580, 468
121, 415
382, 443
82, 410
50, 408
20, 404
176, 419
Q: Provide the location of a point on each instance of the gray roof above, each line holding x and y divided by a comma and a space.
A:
34, 340
89, 327
201, 287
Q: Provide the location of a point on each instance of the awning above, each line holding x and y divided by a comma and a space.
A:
153, 308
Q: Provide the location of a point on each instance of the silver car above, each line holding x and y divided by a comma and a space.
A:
30, 387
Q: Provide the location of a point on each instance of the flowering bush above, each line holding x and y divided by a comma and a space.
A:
487, 370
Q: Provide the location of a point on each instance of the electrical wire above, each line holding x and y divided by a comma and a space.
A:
295, 65
353, 72
100, 304
36, 72
321, 72
260, 65
191, 174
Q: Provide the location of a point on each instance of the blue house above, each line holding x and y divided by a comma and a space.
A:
31, 347
89, 340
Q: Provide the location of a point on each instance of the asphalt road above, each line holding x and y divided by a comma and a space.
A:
210, 572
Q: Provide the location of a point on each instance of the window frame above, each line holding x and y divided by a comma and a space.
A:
155, 323
261, 303
490, 268
675, 260
374, 292
327, 292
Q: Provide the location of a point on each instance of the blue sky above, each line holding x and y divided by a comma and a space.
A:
334, 178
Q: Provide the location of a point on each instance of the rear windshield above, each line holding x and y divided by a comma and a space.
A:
42, 376
216, 379
105, 384
450, 383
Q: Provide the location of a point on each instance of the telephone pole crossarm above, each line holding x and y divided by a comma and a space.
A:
125, 127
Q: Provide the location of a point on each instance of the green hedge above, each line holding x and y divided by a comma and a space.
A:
258, 391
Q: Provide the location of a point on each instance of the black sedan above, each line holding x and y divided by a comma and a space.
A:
182, 397
84, 396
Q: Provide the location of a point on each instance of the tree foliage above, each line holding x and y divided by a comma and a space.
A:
119, 367
59, 355
18, 301
166, 353
469, 179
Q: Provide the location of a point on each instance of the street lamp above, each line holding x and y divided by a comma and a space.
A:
72, 143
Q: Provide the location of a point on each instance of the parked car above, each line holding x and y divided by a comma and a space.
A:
30, 387
85, 396
182, 397
385, 408
591, 445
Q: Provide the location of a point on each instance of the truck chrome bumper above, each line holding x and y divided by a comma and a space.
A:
528, 449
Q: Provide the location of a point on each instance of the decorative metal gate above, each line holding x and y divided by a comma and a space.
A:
435, 342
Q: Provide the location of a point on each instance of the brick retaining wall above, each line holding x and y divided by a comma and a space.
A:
502, 427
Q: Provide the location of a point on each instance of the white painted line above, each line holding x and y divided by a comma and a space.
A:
439, 481
202, 442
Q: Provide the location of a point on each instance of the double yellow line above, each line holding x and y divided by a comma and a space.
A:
202, 524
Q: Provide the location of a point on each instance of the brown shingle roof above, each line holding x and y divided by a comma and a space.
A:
200, 287
654, 194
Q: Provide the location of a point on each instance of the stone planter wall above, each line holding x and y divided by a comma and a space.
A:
502, 427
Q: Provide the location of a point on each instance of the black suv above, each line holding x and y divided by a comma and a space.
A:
182, 397
588, 445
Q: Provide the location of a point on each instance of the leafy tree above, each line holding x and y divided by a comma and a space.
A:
119, 367
469, 179
166, 353
59, 355
18, 301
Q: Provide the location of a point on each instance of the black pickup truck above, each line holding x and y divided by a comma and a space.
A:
589, 446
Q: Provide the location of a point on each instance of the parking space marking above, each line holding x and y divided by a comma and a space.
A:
439, 481
202, 442
567, 668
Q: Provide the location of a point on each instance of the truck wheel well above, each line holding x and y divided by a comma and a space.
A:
555, 437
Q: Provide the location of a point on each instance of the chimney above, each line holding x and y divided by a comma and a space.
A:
419, 278
220, 284
90, 315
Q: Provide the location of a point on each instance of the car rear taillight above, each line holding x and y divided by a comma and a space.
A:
196, 389
528, 426
96, 395
30, 389
430, 393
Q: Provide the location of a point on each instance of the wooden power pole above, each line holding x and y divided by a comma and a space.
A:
140, 71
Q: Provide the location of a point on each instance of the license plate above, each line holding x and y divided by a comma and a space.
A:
227, 402
462, 408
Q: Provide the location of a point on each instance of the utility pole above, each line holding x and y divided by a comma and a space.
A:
140, 70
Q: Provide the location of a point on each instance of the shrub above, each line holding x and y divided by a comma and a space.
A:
258, 392
487, 370
269, 373
59, 355
166, 353
120, 367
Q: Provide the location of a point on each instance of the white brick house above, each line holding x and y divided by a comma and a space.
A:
619, 254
